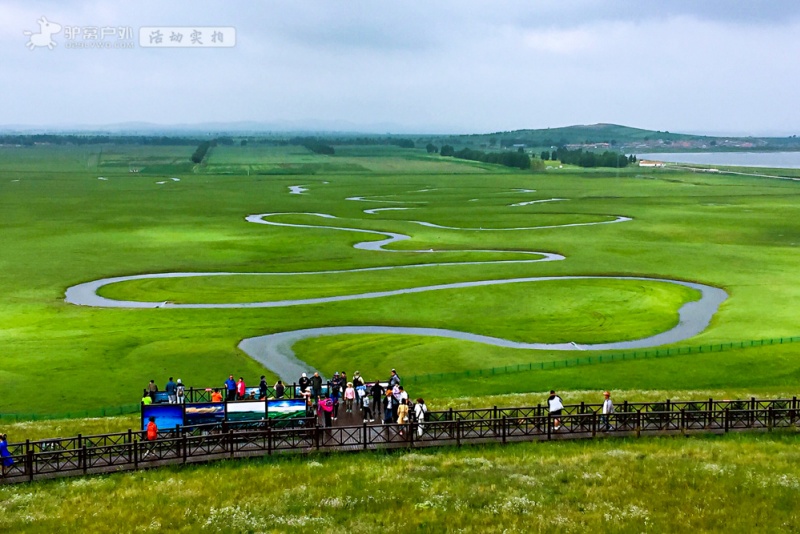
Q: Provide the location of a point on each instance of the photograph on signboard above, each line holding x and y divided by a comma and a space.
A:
168, 416
205, 413
286, 409
247, 411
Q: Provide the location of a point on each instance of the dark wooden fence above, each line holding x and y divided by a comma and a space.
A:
130, 450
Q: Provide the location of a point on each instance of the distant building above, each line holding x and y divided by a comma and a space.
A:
650, 163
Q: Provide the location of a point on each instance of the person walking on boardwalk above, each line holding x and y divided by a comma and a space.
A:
402, 415
5, 455
608, 409
325, 408
554, 406
171, 393
230, 387
420, 412
365, 409
152, 436
387, 407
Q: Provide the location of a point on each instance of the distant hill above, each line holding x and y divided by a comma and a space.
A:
614, 136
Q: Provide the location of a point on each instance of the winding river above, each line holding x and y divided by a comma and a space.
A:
275, 352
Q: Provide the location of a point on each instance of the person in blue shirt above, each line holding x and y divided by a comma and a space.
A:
230, 385
8, 461
171, 389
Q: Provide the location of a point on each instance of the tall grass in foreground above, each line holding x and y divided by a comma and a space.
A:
735, 483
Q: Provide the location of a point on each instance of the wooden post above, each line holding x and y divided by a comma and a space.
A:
230, 441
503, 429
770, 418
365, 434
594, 424
185, 448
29, 463
82, 459
458, 431
135, 446
269, 440
726, 418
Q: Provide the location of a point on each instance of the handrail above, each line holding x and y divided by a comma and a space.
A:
129, 451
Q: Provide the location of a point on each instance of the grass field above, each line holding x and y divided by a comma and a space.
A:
63, 225
731, 483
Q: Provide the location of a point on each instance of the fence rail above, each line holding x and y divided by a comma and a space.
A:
80, 455
599, 358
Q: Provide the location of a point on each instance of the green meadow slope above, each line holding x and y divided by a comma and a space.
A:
76, 214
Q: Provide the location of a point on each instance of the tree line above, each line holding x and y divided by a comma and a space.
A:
517, 159
587, 158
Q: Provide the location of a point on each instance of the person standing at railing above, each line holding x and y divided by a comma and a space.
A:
279, 389
216, 396
554, 406
241, 389
421, 413
608, 409
230, 387
147, 400
303, 382
180, 392
171, 388
316, 386
152, 389
8, 461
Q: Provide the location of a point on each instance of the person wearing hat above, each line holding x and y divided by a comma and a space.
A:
180, 392
349, 397
608, 409
304, 382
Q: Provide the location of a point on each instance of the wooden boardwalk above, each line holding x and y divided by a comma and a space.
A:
85, 455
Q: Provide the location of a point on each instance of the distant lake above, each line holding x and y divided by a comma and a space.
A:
785, 160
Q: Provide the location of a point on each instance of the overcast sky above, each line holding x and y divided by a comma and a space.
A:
412, 66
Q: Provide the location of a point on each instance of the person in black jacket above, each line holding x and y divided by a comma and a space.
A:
316, 386
279, 389
262, 388
377, 396
303, 382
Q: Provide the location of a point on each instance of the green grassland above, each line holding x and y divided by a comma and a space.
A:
731, 483
62, 225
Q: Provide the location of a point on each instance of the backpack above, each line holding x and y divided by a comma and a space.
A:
424, 410
327, 405
181, 390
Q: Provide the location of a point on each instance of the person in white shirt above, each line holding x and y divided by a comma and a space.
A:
554, 406
608, 409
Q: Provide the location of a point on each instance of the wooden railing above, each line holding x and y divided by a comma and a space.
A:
130, 450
